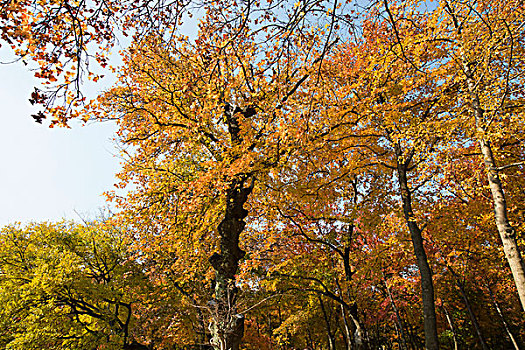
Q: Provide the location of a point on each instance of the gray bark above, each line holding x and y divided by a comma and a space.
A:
505, 230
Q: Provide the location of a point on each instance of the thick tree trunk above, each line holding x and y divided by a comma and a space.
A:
227, 326
427, 287
505, 230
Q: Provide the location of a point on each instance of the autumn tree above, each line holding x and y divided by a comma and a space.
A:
68, 286
289, 164
492, 75
481, 73
206, 121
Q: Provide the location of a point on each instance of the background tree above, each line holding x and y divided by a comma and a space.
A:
68, 286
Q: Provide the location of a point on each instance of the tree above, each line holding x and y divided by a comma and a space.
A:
480, 71
319, 179
64, 40
206, 123
68, 286
492, 75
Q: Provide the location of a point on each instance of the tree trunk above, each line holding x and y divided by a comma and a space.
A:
503, 320
347, 334
326, 317
427, 287
361, 340
227, 326
473, 318
396, 312
505, 230
452, 328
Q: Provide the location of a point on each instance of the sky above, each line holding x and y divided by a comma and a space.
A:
49, 174
54, 174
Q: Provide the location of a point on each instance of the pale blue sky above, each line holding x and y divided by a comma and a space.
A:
48, 174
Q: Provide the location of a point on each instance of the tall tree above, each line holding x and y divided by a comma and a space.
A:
492, 71
205, 123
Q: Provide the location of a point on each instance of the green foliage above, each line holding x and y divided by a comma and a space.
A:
65, 286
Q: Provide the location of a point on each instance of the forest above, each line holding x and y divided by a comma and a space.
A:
296, 175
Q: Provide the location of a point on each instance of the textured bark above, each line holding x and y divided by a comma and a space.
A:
505, 230
427, 286
227, 326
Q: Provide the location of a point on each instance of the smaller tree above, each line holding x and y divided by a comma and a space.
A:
67, 286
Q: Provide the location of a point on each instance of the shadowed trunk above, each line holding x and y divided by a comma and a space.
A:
473, 317
401, 329
227, 326
503, 320
427, 287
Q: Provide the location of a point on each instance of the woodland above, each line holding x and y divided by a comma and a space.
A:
297, 175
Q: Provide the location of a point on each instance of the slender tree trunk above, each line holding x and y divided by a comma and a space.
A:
361, 339
503, 320
347, 334
452, 328
505, 230
331, 339
410, 331
473, 317
427, 286
396, 311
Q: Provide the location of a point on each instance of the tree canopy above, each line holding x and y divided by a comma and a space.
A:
320, 175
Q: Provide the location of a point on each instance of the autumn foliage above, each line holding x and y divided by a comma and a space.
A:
309, 175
